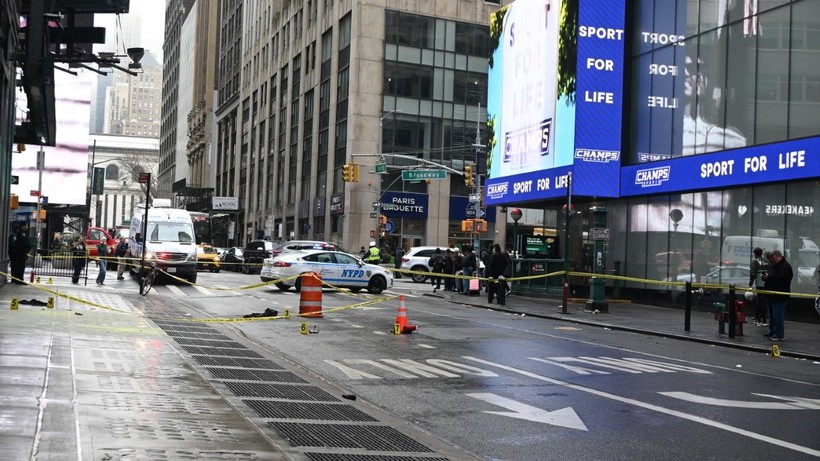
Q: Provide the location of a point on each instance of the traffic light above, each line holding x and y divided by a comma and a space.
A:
467, 225
468, 176
480, 226
347, 172
42, 214
350, 172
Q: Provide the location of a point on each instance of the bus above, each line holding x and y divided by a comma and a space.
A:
202, 227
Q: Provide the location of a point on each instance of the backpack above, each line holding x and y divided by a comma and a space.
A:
436, 262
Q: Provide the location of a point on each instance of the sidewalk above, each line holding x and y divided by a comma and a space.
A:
802, 339
84, 383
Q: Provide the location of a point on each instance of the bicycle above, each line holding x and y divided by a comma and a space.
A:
148, 281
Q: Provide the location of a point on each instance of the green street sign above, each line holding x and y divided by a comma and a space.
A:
381, 168
421, 175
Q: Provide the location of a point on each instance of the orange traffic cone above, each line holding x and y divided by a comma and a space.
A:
401, 318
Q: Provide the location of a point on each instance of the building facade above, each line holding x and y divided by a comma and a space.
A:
123, 158
329, 83
694, 128
132, 103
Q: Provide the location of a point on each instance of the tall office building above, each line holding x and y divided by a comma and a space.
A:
306, 87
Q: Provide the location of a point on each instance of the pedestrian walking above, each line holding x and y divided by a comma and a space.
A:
102, 253
437, 264
19, 247
759, 266
469, 265
778, 278
448, 270
121, 252
399, 255
496, 285
78, 254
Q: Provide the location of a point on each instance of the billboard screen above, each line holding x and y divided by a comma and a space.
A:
554, 106
65, 166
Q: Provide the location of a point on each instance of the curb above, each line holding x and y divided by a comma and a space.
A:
663, 334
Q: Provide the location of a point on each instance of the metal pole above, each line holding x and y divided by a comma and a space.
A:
145, 222
478, 146
41, 159
687, 313
87, 220
567, 217
732, 311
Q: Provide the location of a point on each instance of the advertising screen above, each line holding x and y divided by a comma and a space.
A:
65, 168
554, 104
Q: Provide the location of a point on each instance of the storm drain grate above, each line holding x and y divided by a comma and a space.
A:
300, 410
189, 329
375, 438
279, 391
155, 454
236, 362
255, 375
194, 335
351, 457
207, 343
243, 352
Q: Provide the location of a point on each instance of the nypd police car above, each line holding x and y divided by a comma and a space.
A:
336, 268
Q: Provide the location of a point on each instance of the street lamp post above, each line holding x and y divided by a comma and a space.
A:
379, 181
41, 160
567, 217
516, 215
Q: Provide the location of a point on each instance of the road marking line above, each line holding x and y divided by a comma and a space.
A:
791, 403
659, 409
565, 417
176, 290
203, 290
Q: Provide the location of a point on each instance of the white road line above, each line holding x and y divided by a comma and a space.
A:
203, 290
176, 290
659, 409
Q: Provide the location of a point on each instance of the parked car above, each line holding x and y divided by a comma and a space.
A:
338, 268
300, 245
233, 260
416, 260
207, 258
724, 275
255, 253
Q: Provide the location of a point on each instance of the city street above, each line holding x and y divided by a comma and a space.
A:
474, 382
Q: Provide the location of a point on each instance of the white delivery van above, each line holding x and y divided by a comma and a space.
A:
170, 239
738, 249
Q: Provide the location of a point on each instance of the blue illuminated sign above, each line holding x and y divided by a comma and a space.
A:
789, 160
547, 118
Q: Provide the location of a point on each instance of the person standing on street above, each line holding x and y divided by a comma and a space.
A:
448, 270
458, 265
373, 256
102, 252
78, 255
399, 255
469, 265
759, 266
779, 278
495, 272
437, 264
19, 247
120, 253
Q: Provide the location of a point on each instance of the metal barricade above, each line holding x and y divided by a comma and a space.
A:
56, 263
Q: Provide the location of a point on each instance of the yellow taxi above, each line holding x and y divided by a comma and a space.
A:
207, 258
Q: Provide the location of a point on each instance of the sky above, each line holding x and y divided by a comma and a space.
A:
149, 13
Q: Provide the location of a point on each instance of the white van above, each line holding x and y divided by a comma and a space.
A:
738, 250
170, 239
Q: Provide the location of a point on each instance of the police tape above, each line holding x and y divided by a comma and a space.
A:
69, 297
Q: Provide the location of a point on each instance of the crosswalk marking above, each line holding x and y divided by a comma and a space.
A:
204, 290
176, 290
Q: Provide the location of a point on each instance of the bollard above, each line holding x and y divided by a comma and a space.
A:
720, 309
687, 312
310, 300
732, 312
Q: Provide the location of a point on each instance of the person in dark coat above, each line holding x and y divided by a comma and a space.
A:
779, 278
399, 255
19, 247
495, 272
78, 254
437, 264
448, 269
